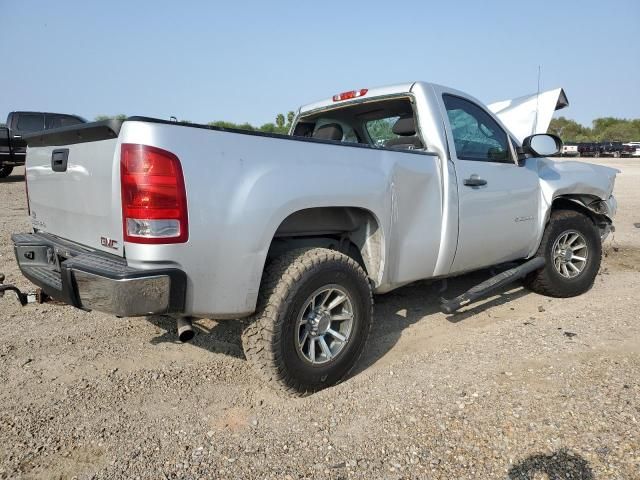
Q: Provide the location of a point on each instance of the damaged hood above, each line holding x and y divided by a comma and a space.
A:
575, 178
530, 114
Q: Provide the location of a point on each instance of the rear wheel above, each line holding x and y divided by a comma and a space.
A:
5, 171
572, 248
312, 322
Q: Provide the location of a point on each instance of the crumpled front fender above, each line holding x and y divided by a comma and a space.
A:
588, 186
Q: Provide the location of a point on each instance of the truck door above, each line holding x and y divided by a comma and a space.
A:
498, 199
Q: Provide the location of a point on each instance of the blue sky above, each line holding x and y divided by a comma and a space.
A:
248, 60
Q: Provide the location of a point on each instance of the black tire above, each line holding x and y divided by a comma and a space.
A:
6, 171
548, 280
270, 341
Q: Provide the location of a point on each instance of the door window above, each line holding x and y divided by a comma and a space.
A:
476, 135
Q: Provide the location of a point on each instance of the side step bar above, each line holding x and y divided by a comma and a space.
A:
494, 283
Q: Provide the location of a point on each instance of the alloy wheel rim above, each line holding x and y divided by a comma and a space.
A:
324, 325
570, 254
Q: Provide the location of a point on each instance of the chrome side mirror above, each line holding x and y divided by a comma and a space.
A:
542, 145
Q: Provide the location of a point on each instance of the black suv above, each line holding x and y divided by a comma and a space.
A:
589, 149
611, 149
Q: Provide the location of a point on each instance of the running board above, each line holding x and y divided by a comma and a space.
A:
488, 286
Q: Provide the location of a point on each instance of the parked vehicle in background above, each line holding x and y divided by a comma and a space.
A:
589, 149
373, 189
570, 150
611, 149
627, 150
631, 149
12, 145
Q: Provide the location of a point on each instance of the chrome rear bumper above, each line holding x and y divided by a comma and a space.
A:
93, 280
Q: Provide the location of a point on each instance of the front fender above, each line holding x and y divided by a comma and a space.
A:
588, 186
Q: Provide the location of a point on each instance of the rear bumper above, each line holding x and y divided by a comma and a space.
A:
93, 280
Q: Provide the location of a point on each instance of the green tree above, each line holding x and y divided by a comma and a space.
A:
566, 129
269, 128
280, 120
604, 128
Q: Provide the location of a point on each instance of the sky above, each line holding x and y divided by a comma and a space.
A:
249, 60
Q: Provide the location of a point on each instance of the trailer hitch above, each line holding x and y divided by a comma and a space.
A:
24, 298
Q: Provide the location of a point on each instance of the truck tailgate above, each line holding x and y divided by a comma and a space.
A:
74, 187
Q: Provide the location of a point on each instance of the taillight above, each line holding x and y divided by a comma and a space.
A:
154, 200
349, 95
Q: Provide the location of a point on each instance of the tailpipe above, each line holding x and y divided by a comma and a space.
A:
185, 329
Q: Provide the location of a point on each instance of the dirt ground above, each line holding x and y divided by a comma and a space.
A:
517, 387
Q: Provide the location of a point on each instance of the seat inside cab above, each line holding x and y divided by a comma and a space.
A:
384, 123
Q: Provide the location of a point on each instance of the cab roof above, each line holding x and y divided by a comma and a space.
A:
397, 89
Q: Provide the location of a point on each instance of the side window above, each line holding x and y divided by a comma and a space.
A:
476, 134
381, 130
30, 122
56, 121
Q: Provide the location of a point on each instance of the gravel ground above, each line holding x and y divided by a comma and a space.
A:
518, 387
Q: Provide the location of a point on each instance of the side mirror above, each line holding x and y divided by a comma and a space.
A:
542, 145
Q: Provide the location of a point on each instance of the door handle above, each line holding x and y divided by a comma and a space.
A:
474, 181
59, 159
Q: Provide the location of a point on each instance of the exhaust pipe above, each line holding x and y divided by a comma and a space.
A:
185, 329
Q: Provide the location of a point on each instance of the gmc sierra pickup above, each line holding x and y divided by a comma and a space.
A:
12, 144
373, 189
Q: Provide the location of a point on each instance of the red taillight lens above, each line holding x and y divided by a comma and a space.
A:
349, 95
154, 199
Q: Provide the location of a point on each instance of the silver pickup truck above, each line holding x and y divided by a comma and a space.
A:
372, 189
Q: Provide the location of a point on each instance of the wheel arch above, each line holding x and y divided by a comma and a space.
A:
585, 204
588, 205
355, 231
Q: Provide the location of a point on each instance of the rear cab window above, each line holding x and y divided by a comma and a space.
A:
386, 123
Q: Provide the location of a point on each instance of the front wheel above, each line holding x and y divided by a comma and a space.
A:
312, 322
5, 171
572, 248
